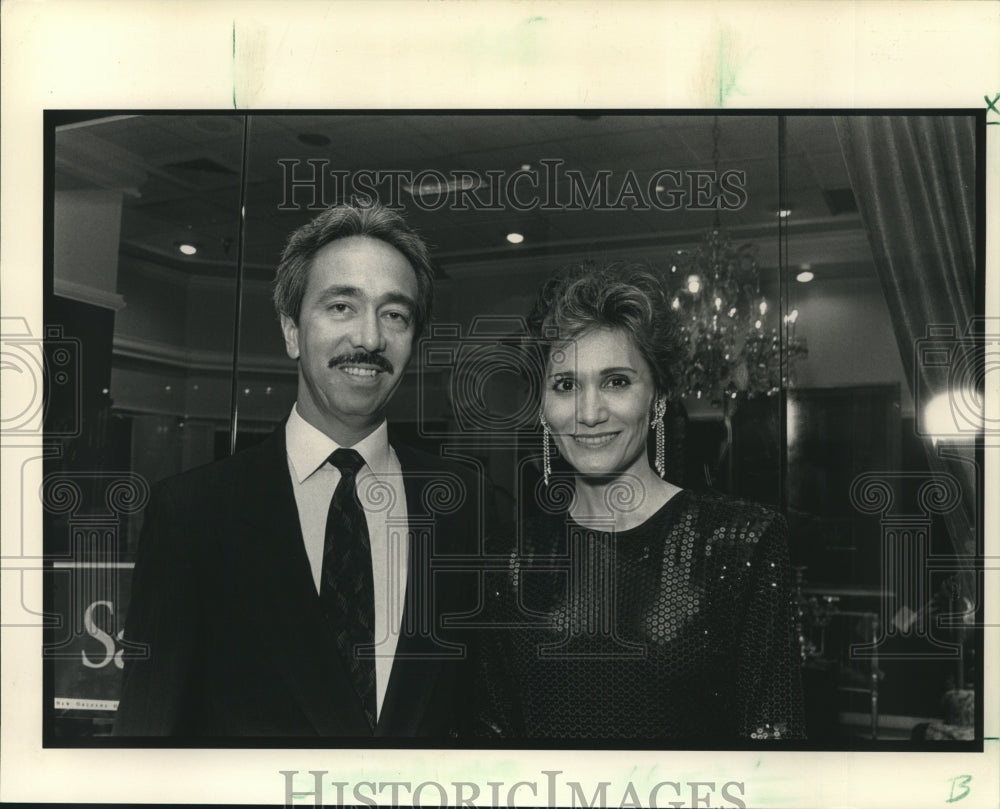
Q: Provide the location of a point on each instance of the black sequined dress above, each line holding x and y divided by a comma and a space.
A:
680, 628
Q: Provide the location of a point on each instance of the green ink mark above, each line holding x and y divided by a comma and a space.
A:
959, 781
249, 64
991, 106
723, 60
726, 69
235, 106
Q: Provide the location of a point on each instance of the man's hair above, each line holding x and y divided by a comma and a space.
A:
371, 219
627, 297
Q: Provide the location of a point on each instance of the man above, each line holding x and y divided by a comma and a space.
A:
287, 590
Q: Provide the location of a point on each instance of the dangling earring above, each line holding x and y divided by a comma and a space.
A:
657, 425
546, 448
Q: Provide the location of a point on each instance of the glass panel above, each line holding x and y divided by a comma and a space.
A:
145, 217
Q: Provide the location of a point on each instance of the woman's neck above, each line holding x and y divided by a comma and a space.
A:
624, 500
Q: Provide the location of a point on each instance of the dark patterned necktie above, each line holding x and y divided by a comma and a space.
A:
348, 589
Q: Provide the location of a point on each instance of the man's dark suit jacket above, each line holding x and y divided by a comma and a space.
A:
237, 641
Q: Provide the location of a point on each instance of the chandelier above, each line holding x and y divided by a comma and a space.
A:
729, 327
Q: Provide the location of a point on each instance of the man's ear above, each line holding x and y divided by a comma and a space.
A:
291, 332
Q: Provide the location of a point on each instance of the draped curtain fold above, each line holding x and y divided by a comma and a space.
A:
914, 181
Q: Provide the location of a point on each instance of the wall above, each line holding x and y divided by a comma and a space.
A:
155, 310
86, 230
846, 325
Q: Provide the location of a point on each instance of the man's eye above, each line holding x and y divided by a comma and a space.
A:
338, 307
398, 317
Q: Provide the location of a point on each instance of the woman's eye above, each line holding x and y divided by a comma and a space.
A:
562, 385
618, 382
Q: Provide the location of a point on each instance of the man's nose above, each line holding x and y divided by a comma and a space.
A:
369, 334
590, 409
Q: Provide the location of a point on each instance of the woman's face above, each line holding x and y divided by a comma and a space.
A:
598, 397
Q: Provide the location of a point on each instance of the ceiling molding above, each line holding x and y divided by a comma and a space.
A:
153, 351
667, 238
829, 241
817, 243
150, 265
165, 354
88, 294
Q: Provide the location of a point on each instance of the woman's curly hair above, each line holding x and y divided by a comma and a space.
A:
622, 296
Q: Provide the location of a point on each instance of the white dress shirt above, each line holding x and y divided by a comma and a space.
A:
380, 490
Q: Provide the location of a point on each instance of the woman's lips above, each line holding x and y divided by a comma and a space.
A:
594, 440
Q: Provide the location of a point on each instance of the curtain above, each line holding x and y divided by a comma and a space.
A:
914, 180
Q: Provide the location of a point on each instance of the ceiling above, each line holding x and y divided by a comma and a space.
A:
180, 175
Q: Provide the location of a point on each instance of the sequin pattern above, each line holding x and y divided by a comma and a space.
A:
680, 628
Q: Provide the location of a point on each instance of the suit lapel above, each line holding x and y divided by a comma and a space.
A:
293, 626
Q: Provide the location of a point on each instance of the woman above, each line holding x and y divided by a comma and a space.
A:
640, 610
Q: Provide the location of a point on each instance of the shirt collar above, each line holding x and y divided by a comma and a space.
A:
308, 448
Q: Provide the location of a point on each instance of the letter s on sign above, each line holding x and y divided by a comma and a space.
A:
99, 634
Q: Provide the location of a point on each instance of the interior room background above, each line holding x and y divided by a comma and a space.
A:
853, 234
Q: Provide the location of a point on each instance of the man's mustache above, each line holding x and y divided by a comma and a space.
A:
362, 358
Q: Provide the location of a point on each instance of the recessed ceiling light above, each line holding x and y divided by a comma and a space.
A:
187, 249
515, 238
784, 212
805, 276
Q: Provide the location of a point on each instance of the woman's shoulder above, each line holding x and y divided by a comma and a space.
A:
728, 520
715, 503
